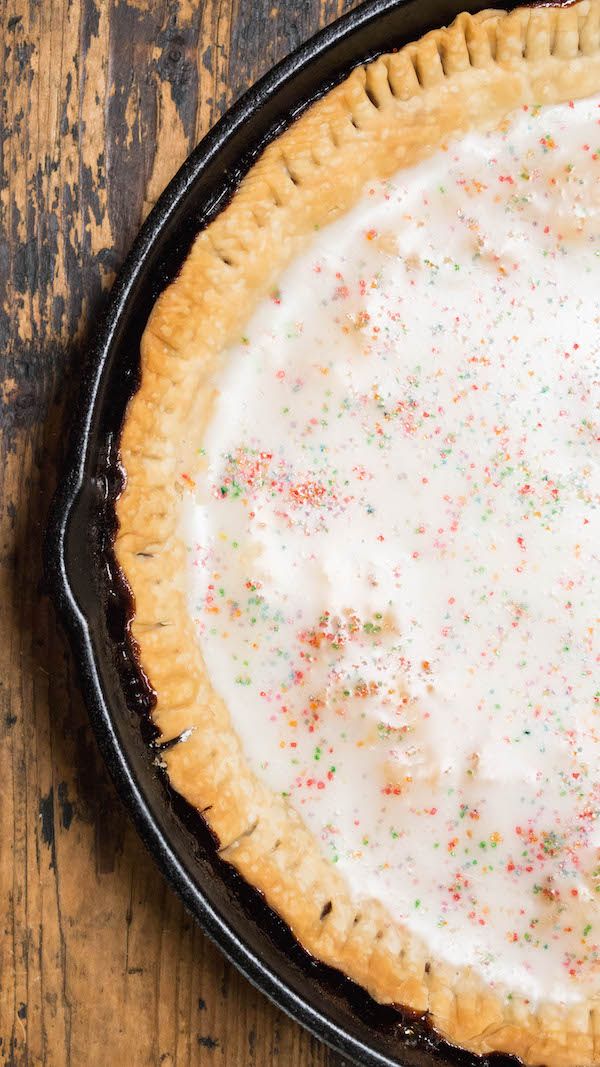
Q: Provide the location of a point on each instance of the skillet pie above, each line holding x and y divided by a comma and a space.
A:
361, 528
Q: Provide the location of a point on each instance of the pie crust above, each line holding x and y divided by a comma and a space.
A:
389, 114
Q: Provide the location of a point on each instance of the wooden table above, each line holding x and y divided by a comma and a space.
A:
101, 102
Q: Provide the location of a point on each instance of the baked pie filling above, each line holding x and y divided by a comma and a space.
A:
380, 525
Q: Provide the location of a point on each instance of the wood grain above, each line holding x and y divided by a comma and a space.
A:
101, 100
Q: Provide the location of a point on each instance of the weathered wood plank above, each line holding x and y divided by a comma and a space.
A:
100, 102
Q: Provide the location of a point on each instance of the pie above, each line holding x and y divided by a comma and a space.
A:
361, 528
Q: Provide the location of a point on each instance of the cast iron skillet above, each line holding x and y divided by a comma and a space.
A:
93, 602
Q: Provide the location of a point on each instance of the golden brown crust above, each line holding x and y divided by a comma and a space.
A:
389, 114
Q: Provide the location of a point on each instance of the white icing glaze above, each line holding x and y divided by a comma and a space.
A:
394, 548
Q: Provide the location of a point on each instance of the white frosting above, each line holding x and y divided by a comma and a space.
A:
394, 548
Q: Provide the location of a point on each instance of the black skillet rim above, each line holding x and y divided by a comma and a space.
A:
341, 44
